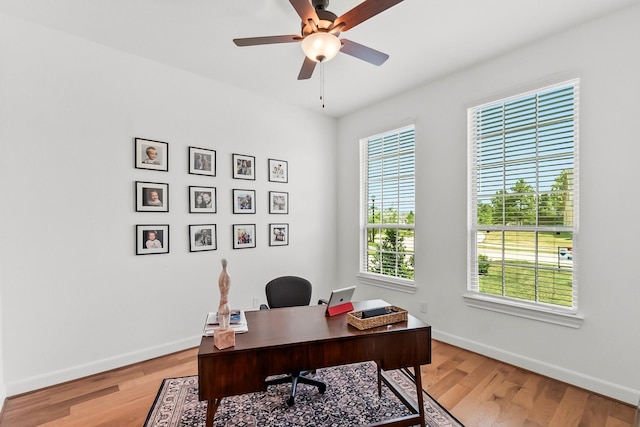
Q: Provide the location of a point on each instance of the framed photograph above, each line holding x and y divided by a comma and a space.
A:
203, 237
202, 199
152, 239
202, 161
278, 170
152, 197
244, 201
244, 236
151, 154
278, 234
278, 202
244, 167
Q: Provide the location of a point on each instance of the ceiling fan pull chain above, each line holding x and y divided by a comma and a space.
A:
322, 83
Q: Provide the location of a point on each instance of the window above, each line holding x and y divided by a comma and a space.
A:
387, 203
523, 188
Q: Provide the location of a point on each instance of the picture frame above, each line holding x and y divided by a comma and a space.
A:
152, 239
278, 202
244, 167
202, 161
278, 170
152, 196
203, 237
203, 199
150, 154
244, 201
278, 234
244, 236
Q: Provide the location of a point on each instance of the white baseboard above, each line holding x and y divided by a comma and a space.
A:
3, 399
75, 372
597, 385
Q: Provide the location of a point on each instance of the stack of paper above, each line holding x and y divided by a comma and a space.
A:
238, 323
212, 318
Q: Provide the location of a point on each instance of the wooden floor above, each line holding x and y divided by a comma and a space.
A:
477, 390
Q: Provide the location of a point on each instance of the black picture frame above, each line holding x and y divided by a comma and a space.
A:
278, 234
244, 236
152, 239
203, 199
151, 196
278, 202
244, 167
203, 237
202, 161
278, 170
244, 201
151, 154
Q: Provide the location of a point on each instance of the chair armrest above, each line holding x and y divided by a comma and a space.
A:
264, 307
323, 301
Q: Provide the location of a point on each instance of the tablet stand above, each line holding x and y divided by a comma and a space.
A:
339, 309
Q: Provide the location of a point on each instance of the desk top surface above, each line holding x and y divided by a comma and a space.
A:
295, 325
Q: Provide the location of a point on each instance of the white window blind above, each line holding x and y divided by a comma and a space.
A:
523, 192
387, 165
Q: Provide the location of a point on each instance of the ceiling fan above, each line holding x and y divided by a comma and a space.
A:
320, 31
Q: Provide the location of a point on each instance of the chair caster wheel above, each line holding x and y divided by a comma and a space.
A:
290, 401
322, 389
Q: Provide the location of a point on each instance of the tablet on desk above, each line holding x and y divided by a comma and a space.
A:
340, 301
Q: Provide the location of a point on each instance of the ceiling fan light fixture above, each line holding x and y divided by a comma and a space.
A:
321, 46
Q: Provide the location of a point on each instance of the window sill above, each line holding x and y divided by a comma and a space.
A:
381, 281
521, 309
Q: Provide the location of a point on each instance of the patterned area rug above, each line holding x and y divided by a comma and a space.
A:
351, 399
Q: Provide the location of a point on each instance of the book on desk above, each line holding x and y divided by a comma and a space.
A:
238, 323
234, 318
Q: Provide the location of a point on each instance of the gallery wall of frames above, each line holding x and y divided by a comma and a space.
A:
155, 197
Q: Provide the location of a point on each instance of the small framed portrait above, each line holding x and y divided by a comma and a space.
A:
152, 197
244, 201
151, 154
278, 202
202, 199
278, 170
152, 239
202, 161
244, 167
202, 237
278, 234
244, 236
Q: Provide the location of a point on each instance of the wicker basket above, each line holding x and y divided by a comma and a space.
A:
394, 314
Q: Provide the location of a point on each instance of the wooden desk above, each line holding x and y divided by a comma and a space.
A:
283, 340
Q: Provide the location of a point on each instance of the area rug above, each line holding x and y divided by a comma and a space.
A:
351, 400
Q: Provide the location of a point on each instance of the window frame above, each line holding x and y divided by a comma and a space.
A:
364, 276
546, 312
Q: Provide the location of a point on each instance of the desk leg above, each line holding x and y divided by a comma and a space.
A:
418, 375
212, 407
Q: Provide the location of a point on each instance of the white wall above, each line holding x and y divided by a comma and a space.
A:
603, 354
75, 299
3, 388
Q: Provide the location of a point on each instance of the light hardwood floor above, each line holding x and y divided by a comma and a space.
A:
477, 390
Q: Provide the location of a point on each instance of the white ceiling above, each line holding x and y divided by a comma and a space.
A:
425, 39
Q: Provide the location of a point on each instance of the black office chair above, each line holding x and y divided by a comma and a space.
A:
291, 291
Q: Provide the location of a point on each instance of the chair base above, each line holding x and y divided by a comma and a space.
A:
294, 379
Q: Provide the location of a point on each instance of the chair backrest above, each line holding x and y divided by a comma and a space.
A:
288, 291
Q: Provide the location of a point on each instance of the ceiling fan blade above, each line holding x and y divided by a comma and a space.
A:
365, 53
365, 10
253, 41
305, 10
307, 69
